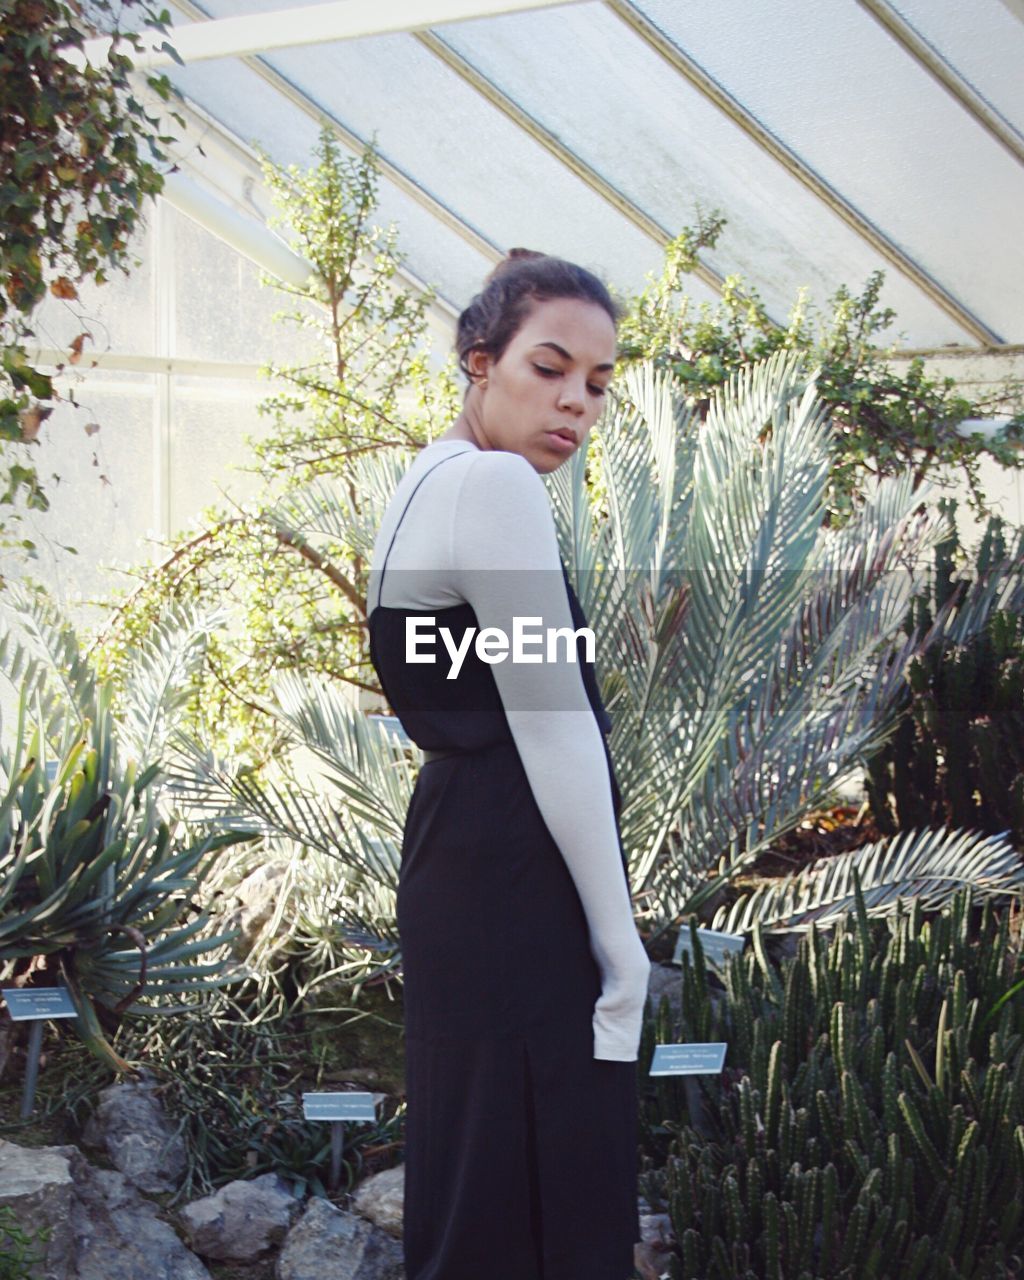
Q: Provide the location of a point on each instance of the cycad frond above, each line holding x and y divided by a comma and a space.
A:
162, 674
346, 511
58, 674
929, 865
751, 658
756, 656
362, 756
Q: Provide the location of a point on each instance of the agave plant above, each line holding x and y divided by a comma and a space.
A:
98, 877
752, 658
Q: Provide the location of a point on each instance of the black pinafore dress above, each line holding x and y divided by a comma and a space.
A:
520, 1146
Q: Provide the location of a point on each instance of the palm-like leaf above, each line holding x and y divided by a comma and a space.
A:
349, 829
47, 665
355, 749
161, 676
930, 865
753, 657
345, 512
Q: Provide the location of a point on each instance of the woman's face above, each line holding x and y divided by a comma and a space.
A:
547, 390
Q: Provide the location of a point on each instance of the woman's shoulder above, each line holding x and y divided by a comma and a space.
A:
502, 492
439, 451
467, 473
448, 458
500, 472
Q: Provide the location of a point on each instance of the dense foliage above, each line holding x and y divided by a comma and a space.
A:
749, 665
870, 1119
887, 419
234, 1083
365, 330
79, 156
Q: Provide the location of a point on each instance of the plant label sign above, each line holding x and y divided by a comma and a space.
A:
688, 1059
717, 946
338, 1106
24, 1003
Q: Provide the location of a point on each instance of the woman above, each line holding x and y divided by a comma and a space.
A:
524, 976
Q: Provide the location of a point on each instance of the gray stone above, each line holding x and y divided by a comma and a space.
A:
38, 1184
381, 1198
119, 1236
241, 1220
650, 1256
666, 979
129, 1124
256, 898
329, 1244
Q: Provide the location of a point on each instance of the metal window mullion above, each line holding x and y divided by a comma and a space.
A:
165, 291
960, 90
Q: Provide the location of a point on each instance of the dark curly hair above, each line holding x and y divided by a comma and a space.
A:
524, 277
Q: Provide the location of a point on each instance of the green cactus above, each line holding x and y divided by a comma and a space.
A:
956, 757
19, 1259
870, 1121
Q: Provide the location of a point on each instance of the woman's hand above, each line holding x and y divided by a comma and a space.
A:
619, 1011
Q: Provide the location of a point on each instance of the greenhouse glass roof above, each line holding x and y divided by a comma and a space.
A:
835, 138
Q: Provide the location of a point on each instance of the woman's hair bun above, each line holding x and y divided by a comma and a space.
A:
513, 256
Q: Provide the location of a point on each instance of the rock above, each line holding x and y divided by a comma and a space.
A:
256, 897
241, 1220
666, 979
38, 1184
650, 1256
129, 1124
119, 1236
381, 1198
329, 1244
102, 1228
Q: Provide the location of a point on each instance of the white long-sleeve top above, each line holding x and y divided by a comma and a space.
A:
479, 529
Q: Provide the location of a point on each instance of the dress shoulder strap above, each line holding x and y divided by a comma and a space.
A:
394, 535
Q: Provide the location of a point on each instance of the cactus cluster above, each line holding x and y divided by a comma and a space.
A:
957, 755
870, 1120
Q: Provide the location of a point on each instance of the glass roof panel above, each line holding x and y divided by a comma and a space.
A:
247, 106
466, 153
644, 128
829, 82
855, 106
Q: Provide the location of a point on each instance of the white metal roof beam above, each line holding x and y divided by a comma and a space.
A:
928, 57
245, 235
726, 103
309, 24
